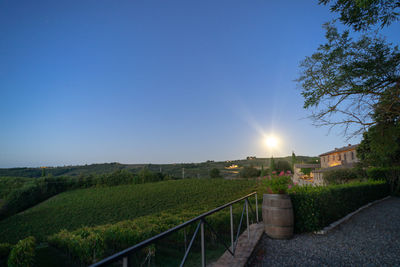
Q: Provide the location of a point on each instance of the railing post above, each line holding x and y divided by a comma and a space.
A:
247, 217
184, 232
125, 262
203, 248
256, 208
232, 229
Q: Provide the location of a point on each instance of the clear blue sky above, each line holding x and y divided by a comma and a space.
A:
155, 81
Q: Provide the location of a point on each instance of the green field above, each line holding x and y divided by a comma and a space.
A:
101, 205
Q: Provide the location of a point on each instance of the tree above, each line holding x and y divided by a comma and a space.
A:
293, 159
283, 165
362, 14
380, 145
346, 82
272, 165
214, 173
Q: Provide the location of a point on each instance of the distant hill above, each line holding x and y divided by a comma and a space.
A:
178, 170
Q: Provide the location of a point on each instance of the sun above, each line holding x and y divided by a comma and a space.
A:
271, 141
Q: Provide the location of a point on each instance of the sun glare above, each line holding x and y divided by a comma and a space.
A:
271, 141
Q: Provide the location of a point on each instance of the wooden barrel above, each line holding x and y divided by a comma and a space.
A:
277, 213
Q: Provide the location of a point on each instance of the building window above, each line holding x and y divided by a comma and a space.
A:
352, 155
340, 157
344, 156
328, 158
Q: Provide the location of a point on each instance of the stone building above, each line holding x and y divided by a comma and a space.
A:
344, 157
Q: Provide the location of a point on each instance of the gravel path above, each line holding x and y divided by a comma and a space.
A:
369, 238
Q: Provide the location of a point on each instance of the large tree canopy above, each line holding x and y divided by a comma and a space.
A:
361, 14
347, 82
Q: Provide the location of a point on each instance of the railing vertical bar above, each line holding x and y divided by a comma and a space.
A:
232, 229
203, 248
190, 245
184, 232
247, 219
256, 208
125, 262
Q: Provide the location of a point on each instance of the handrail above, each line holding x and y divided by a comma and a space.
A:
127, 251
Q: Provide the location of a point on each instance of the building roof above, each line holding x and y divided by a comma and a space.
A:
342, 149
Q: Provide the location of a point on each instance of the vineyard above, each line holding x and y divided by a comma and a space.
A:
104, 205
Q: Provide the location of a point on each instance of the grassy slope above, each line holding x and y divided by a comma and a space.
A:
96, 206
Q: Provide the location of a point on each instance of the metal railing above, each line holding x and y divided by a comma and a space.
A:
201, 219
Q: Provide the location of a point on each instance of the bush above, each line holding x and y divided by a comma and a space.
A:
283, 165
214, 173
389, 174
317, 207
23, 253
279, 184
340, 176
249, 172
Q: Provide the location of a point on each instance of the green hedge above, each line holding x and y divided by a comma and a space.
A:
340, 176
389, 174
23, 253
317, 207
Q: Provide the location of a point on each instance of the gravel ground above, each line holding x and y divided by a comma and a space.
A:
369, 238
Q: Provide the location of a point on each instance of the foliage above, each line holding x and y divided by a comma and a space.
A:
389, 174
279, 184
9, 184
306, 171
346, 82
23, 253
362, 14
89, 244
380, 145
317, 207
103, 205
40, 189
214, 173
5, 249
272, 166
249, 172
283, 165
340, 176
293, 160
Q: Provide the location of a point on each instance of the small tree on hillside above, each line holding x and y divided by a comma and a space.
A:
271, 165
215, 173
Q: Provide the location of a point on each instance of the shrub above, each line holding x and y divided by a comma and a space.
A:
283, 165
214, 173
340, 176
5, 249
23, 253
389, 174
317, 207
306, 171
279, 184
249, 172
